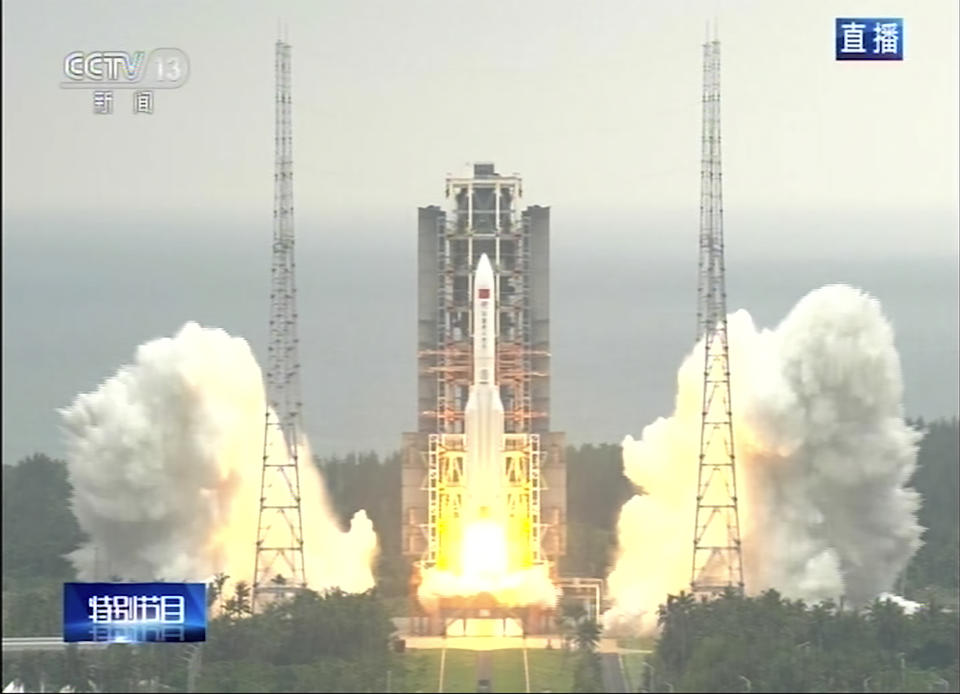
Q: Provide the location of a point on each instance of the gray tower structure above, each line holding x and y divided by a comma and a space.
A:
279, 566
484, 216
717, 557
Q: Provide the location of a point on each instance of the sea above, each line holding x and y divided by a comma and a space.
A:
81, 292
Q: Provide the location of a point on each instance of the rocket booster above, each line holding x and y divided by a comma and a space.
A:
483, 418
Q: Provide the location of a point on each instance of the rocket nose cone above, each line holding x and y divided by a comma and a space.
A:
484, 269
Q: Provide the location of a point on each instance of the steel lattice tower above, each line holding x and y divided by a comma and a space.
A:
279, 566
717, 559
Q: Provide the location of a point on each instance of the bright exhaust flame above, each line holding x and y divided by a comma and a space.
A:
485, 567
530, 586
483, 553
482, 539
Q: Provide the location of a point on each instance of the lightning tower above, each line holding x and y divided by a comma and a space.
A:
717, 559
279, 566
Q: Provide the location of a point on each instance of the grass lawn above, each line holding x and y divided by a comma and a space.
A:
416, 670
507, 667
549, 670
460, 671
641, 643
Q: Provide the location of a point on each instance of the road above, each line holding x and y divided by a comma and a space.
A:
612, 674
44, 643
484, 670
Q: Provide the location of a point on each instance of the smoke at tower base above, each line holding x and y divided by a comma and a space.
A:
530, 586
165, 459
824, 457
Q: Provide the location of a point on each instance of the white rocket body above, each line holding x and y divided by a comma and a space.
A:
483, 418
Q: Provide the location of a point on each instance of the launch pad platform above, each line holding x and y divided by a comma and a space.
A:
481, 616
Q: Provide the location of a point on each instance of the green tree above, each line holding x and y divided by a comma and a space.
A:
937, 478
587, 635
39, 527
779, 645
217, 590
312, 642
239, 605
587, 675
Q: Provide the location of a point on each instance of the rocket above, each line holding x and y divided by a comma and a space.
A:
483, 468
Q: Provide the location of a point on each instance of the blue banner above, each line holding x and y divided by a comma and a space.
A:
869, 38
135, 612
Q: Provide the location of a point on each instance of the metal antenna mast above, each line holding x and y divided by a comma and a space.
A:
279, 567
717, 559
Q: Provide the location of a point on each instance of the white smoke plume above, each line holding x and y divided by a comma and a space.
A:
165, 457
823, 461
908, 606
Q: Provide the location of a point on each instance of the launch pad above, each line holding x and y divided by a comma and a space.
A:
483, 524
479, 616
520, 472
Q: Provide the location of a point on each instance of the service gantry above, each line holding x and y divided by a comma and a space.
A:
484, 216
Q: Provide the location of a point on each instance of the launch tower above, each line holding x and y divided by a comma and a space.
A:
279, 566
717, 561
484, 217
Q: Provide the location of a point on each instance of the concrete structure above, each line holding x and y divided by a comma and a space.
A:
484, 217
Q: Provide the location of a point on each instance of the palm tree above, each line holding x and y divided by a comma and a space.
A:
570, 613
242, 592
676, 619
239, 604
587, 635
219, 581
889, 622
819, 616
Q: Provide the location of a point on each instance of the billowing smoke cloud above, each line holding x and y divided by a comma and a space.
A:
165, 459
823, 461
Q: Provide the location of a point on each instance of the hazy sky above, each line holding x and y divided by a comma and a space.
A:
119, 228
595, 104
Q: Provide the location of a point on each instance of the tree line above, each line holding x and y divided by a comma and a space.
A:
331, 642
770, 644
39, 530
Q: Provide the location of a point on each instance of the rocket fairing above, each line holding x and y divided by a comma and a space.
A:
483, 418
